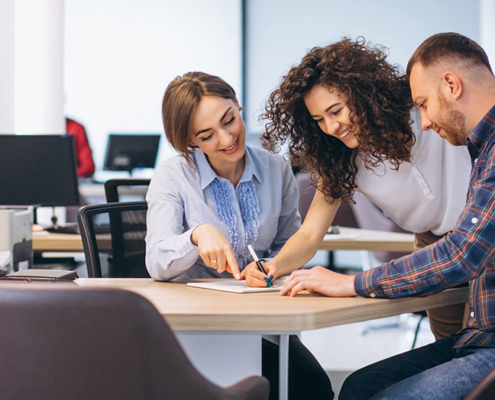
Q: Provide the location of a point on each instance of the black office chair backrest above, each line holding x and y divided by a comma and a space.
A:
60, 342
113, 239
139, 187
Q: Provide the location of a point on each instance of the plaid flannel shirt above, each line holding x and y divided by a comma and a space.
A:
464, 254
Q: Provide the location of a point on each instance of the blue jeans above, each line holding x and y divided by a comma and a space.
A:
436, 371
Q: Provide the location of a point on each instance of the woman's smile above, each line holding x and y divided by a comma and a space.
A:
232, 149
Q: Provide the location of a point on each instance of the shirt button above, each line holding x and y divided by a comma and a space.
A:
474, 220
372, 295
242, 236
471, 313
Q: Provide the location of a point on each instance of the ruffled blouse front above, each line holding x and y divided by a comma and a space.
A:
261, 211
249, 208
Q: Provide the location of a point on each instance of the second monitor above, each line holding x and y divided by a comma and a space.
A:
126, 152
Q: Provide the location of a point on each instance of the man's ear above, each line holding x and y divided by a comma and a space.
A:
454, 84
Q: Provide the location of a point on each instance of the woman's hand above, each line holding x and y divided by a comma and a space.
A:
215, 249
320, 280
254, 277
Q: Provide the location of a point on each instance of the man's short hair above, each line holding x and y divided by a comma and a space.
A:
448, 45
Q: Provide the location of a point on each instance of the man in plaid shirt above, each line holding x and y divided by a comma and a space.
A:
453, 85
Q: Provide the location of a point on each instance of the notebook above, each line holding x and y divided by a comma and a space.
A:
237, 286
42, 275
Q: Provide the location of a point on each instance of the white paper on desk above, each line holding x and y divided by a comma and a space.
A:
237, 286
40, 233
337, 236
5, 260
5, 257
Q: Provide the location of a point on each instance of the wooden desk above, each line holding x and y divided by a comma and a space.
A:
362, 239
365, 239
195, 309
237, 321
57, 242
98, 190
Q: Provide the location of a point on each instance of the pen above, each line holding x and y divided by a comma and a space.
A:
258, 263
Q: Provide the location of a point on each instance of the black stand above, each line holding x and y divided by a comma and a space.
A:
67, 228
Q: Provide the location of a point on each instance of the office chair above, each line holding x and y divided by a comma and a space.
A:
112, 187
59, 342
113, 239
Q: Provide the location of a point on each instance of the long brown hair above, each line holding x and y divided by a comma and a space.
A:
181, 101
379, 99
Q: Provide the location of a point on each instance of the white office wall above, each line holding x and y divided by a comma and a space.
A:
282, 31
39, 66
7, 69
121, 55
487, 29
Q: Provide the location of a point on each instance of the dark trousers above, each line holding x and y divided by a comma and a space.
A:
366, 382
307, 379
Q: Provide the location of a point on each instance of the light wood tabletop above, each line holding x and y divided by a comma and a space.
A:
44, 241
194, 309
98, 190
365, 239
349, 239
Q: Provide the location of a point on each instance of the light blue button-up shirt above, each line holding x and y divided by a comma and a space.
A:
181, 197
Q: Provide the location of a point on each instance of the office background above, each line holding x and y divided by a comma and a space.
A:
107, 63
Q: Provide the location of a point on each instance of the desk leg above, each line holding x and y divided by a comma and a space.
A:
283, 372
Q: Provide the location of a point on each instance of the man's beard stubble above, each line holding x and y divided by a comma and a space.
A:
452, 121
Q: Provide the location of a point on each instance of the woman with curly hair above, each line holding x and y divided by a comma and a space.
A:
350, 121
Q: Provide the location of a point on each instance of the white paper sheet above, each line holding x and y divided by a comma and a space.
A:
341, 236
237, 286
5, 259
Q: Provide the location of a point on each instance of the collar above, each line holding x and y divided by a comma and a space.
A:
481, 133
252, 167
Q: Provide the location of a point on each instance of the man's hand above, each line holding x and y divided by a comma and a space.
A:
320, 280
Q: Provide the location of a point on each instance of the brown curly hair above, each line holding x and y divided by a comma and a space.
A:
378, 97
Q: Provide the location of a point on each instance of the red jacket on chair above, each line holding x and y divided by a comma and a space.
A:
85, 163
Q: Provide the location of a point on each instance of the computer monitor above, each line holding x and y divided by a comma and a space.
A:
128, 151
38, 170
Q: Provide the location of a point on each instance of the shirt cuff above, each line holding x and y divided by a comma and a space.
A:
184, 251
187, 248
364, 284
188, 234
